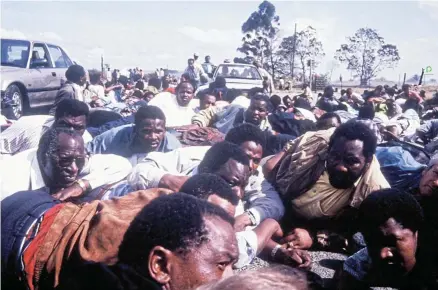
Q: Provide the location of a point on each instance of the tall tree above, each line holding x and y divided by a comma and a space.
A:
366, 53
306, 47
260, 31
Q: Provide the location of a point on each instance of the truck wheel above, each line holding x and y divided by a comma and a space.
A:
13, 101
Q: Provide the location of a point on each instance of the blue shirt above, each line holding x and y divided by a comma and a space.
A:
119, 141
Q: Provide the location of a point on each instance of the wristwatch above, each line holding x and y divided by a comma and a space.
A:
81, 184
251, 217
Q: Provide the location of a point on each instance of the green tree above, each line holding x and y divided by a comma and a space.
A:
366, 53
260, 30
306, 47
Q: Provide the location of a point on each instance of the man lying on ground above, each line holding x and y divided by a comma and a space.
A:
172, 169
392, 224
250, 242
134, 142
323, 177
26, 132
61, 166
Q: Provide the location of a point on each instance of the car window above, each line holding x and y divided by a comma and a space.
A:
39, 52
14, 52
238, 72
67, 59
58, 57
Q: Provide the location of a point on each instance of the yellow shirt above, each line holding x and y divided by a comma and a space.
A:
323, 200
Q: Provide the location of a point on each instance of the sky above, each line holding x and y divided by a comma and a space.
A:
164, 34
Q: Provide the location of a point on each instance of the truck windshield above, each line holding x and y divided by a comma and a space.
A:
14, 52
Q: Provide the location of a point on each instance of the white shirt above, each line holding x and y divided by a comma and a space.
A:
176, 115
26, 132
22, 171
260, 196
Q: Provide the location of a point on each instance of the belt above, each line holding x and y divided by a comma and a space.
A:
29, 224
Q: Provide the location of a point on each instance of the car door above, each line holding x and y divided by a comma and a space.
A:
60, 61
43, 83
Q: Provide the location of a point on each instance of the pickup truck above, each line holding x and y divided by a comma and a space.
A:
238, 76
32, 72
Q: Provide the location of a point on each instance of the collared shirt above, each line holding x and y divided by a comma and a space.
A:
176, 115
26, 132
120, 141
195, 73
208, 67
260, 196
22, 172
323, 200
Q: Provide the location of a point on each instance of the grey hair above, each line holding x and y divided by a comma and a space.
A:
278, 277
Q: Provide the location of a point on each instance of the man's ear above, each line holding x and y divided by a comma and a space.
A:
159, 264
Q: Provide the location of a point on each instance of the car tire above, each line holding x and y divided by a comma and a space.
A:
14, 105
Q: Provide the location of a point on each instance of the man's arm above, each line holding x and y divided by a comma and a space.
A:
207, 117
105, 169
155, 170
263, 201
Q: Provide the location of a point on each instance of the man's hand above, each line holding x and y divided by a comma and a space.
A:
298, 239
70, 192
293, 257
172, 182
241, 222
186, 128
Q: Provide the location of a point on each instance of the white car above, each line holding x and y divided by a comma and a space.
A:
238, 76
32, 72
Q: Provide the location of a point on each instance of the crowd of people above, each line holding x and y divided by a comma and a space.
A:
135, 182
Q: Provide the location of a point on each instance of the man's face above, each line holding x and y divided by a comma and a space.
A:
222, 203
82, 80
346, 163
328, 92
289, 103
256, 112
254, 152
78, 123
392, 248
148, 96
67, 162
150, 133
406, 89
207, 102
191, 63
236, 174
349, 92
184, 94
429, 182
207, 59
209, 262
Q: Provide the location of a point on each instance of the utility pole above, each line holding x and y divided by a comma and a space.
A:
293, 52
101, 64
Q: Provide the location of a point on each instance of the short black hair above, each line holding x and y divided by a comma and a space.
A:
139, 85
320, 124
353, 130
366, 112
178, 87
219, 154
149, 112
155, 82
74, 73
264, 98
275, 100
71, 107
254, 91
384, 204
285, 99
49, 143
94, 76
204, 93
206, 184
175, 222
330, 115
137, 94
246, 132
